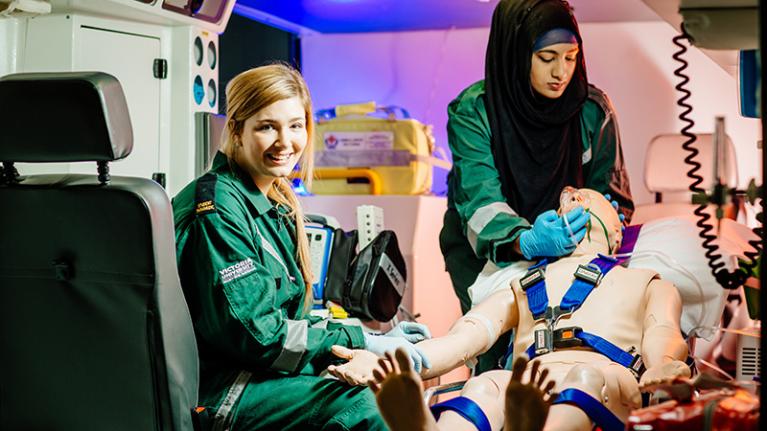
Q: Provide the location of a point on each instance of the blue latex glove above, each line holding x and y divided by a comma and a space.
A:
614, 203
411, 331
380, 344
550, 237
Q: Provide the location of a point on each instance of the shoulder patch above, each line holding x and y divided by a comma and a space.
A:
205, 194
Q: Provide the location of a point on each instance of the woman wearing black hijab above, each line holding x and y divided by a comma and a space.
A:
533, 126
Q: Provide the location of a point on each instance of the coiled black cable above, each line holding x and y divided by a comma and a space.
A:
726, 279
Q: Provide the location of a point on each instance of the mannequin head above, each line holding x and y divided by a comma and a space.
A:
604, 229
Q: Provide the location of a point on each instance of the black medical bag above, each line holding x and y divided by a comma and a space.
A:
370, 284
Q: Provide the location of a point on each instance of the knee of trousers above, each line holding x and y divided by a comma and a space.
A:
360, 415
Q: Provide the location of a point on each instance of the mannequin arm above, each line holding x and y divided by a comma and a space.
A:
472, 334
663, 348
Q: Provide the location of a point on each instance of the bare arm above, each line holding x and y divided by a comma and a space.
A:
472, 334
663, 348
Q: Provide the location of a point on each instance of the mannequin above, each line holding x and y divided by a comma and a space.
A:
632, 309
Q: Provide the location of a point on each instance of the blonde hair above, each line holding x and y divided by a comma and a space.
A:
248, 93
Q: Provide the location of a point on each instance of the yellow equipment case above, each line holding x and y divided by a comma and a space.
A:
364, 149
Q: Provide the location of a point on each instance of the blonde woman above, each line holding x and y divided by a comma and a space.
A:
244, 265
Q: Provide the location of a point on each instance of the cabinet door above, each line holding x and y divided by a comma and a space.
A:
130, 58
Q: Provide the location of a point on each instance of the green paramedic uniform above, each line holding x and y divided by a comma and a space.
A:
259, 354
478, 224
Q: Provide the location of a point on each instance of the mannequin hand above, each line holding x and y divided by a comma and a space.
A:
379, 345
550, 236
663, 374
359, 370
411, 331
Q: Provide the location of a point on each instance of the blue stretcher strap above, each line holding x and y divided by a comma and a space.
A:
630, 236
595, 410
465, 407
580, 289
530, 352
599, 344
537, 298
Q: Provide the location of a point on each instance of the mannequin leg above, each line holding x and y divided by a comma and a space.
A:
502, 397
399, 394
608, 382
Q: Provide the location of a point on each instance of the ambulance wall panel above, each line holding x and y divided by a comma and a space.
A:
11, 48
73, 42
129, 58
422, 71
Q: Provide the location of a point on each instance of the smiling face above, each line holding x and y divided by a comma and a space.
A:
273, 140
552, 68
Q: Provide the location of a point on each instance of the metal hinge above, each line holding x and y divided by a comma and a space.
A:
160, 68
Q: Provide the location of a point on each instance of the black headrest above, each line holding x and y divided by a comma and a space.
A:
63, 117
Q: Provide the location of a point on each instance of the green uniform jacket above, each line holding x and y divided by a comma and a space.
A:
244, 289
474, 189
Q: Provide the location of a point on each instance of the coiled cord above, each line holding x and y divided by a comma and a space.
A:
756, 244
728, 280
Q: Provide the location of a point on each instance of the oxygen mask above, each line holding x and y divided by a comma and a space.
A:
570, 198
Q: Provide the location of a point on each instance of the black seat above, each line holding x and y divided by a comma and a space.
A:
95, 333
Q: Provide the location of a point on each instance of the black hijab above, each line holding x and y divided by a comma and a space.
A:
536, 141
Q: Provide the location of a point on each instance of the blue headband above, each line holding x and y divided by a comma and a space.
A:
553, 37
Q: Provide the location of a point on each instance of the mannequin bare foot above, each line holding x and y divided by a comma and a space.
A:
399, 394
527, 404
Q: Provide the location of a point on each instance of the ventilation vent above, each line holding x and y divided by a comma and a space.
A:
749, 364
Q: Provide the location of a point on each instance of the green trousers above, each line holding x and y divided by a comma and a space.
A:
464, 266
303, 403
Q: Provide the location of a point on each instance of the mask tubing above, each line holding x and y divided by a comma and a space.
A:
570, 231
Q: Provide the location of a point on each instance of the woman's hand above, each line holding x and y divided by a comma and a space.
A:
550, 236
614, 204
380, 344
411, 331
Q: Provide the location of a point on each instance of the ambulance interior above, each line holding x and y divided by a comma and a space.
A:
70, 355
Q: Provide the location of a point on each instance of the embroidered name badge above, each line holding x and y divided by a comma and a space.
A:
237, 270
204, 207
205, 194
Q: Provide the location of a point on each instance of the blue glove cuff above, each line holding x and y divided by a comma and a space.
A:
524, 247
367, 336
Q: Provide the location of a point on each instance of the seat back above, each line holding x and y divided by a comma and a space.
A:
94, 330
666, 171
666, 174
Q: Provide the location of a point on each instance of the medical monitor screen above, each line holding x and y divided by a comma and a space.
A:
749, 83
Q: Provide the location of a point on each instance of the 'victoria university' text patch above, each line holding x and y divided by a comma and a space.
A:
237, 270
